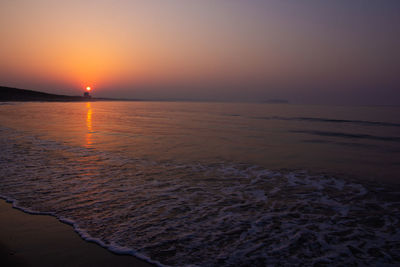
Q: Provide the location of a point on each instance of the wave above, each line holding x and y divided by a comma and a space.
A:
208, 214
81, 232
348, 135
327, 120
320, 141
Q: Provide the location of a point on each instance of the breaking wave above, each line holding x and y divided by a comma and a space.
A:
208, 214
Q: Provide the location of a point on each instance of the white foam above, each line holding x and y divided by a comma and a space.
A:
83, 234
197, 214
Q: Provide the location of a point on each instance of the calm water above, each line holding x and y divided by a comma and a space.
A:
212, 184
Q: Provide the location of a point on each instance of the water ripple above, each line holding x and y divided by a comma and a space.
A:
220, 214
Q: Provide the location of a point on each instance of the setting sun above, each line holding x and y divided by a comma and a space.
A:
88, 88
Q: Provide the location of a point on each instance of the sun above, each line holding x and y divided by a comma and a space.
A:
88, 88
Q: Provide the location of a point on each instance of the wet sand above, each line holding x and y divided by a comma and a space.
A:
40, 240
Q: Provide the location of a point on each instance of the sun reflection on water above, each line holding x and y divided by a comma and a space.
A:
89, 134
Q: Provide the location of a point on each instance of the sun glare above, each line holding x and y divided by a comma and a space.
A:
88, 88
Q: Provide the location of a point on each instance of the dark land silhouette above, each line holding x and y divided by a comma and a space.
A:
16, 94
9, 94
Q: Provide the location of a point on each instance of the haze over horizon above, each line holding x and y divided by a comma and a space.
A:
336, 52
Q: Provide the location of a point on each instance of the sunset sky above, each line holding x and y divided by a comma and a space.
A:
307, 51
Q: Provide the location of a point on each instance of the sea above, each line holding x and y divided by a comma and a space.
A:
211, 184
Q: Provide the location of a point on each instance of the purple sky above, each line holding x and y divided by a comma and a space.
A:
339, 52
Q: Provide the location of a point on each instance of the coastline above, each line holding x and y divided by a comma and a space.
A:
9, 94
42, 240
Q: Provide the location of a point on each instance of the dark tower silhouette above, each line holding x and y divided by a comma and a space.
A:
86, 94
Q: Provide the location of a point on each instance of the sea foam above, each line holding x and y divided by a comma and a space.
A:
216, 214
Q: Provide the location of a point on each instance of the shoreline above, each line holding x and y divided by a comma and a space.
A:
42, 240
10, 94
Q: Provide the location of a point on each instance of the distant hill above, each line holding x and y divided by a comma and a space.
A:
276, 101
15, 94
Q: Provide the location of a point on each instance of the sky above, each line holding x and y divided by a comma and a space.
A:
328, 52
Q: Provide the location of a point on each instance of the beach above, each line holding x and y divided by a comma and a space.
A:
42, 240
200, 133
200, 184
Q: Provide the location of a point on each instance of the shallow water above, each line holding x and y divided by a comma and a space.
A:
212, 184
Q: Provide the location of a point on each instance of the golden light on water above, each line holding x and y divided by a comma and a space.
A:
89, 134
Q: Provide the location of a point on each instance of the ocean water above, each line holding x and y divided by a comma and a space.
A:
212, 184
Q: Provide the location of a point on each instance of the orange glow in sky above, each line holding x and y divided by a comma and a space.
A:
195, 50
88, 88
